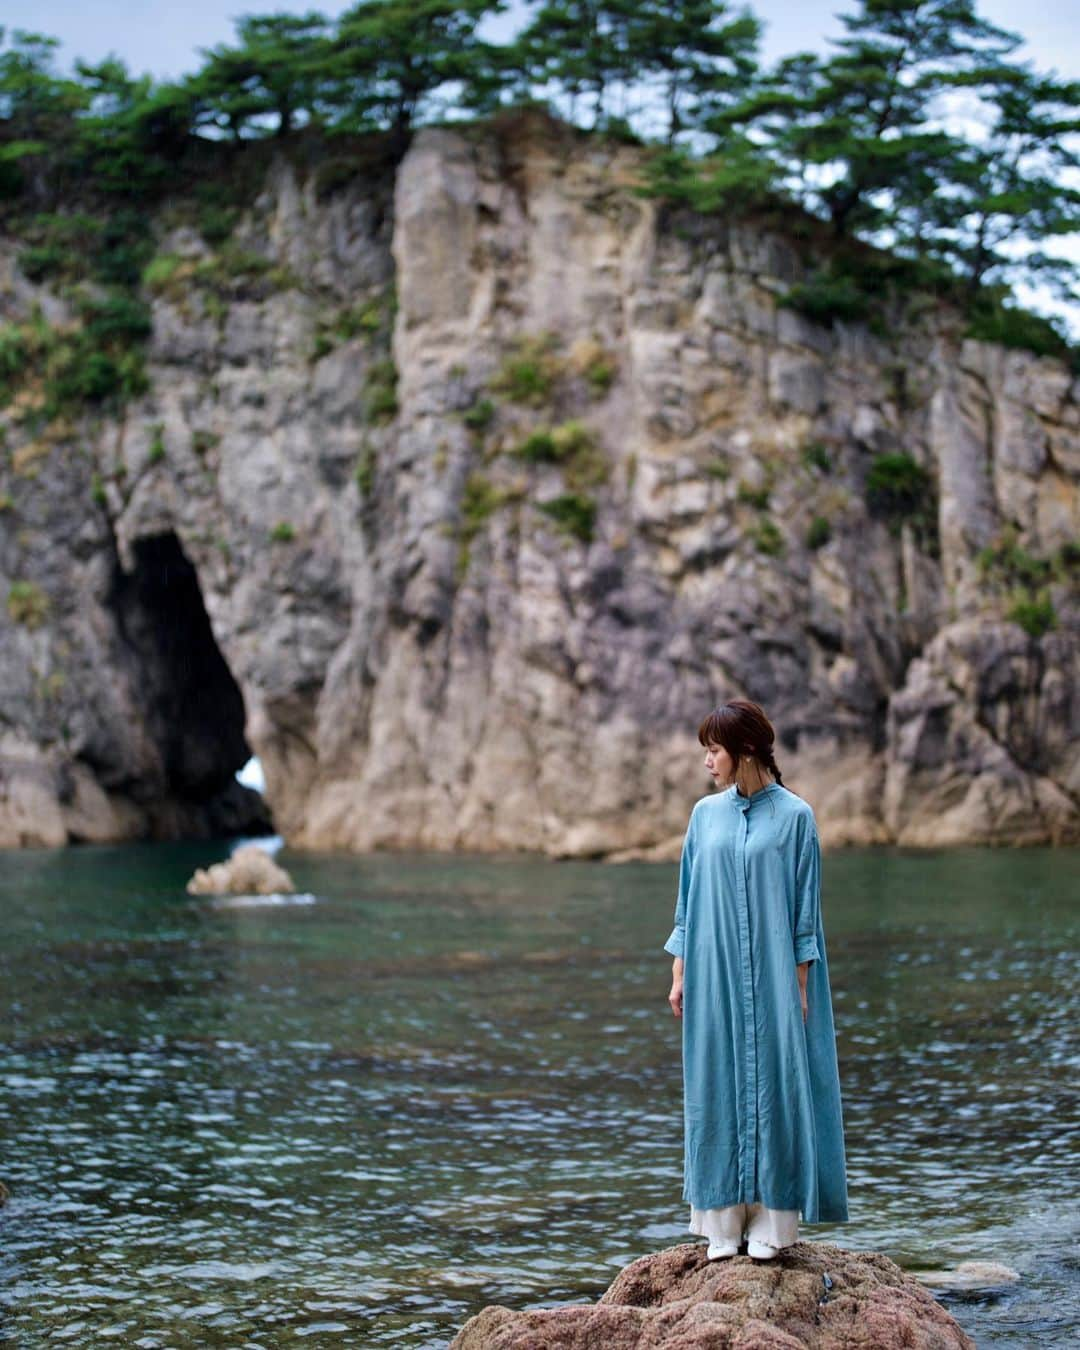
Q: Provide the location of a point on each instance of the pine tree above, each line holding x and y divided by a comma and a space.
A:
35, 102
581, 47
701, 57
389, 57
495, 76
272, 70
107, 147
1003, 191
38, 111
854, 133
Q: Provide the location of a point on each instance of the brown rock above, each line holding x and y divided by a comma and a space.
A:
679, 1298
969, 1275
248, 871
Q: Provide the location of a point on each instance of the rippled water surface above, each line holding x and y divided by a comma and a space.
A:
441, 1082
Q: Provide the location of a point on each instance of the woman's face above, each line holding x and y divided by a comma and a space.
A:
719, 763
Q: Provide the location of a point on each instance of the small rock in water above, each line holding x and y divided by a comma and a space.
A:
969, 1275
249, 871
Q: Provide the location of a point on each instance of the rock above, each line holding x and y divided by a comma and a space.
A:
299, 544
664, 850
813, 1295
973, 718
249, 871
969, 1275
796, 382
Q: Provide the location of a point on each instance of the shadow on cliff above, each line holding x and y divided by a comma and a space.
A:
192, 708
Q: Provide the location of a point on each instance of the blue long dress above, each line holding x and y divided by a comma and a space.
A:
762, 1113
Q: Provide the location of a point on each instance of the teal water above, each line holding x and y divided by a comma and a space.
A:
454, 1081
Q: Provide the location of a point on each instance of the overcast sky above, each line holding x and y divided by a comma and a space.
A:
164, 39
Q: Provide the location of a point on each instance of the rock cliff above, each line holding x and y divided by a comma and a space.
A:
464, 506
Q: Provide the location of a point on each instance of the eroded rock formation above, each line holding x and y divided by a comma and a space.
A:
249, 870
508, 477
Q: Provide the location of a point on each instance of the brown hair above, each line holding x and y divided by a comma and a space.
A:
742, 728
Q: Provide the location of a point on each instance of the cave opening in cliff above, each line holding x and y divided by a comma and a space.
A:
192, 707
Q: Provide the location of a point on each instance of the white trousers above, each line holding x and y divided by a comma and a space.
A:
777, 1227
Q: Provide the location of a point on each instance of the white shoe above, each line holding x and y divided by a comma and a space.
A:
718, 1250
761, 1251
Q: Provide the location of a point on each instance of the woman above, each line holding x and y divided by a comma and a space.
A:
764, 1139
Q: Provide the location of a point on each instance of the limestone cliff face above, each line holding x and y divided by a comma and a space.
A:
435, 640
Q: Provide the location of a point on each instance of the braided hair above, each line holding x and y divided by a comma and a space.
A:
742, 728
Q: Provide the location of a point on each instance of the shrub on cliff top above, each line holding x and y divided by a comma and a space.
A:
995, 321
825, 296
356, 86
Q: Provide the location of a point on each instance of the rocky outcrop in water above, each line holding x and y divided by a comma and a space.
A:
813, 1296
249, 870
463, 514
969, 1276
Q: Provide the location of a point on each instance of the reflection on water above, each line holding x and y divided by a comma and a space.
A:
455, 1081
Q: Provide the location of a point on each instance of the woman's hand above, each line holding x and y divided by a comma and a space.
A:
803, 971
675, 997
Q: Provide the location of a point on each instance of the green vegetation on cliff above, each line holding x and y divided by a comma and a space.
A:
1024, 579
865, 156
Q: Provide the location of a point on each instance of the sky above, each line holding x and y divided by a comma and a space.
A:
164, 40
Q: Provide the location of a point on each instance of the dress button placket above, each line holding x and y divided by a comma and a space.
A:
749, 1145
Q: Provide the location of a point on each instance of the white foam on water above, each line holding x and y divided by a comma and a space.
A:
258, 901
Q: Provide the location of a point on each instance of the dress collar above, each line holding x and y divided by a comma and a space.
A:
742, 802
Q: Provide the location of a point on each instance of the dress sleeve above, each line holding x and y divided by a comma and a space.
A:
676, 943
808, 896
